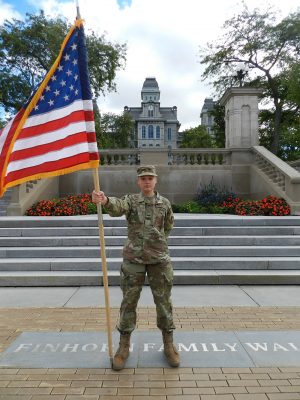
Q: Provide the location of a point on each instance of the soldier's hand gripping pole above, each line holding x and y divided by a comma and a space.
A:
104, 267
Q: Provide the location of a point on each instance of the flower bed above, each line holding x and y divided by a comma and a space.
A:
269, 205
80, 204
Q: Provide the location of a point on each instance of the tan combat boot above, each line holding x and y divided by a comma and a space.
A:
170, 350
122, 353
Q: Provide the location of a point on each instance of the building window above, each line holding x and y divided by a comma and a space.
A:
144, 145
158, 132
150, 111
143, 132
150, 132
150, 145
157, 145
169, 134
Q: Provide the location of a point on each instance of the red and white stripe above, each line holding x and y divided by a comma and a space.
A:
56, 140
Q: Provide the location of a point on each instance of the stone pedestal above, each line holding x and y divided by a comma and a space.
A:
154, 156
241, 132
241, 117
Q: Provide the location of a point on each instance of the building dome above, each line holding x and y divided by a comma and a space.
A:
150, 90
150, 84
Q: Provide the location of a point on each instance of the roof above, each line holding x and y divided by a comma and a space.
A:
150, 84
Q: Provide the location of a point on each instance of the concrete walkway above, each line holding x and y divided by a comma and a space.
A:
198, 309
183, 296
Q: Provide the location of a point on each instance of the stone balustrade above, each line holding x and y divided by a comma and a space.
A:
269, 169
211, 156
25, 194
119, 156
200, 157
286, 179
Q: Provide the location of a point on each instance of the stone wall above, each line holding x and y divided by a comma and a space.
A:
177, 183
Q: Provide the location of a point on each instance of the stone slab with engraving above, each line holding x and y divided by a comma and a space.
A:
197, 349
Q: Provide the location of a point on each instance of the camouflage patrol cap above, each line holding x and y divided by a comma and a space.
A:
146, 170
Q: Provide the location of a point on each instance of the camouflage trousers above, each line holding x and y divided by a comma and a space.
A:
160, 278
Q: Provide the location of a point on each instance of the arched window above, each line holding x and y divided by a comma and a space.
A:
169, 134
157, 132
143, 132
150, 132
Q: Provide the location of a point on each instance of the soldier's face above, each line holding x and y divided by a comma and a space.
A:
147, 184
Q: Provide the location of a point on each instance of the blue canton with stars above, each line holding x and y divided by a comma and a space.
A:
64, 86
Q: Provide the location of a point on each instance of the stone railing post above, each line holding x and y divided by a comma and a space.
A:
24, 195
241, 132
241, 117
154, 156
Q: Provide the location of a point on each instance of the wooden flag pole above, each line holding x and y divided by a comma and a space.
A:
104, 267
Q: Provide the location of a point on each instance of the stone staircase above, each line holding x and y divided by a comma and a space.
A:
205, 249
4, 202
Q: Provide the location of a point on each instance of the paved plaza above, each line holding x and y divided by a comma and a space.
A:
215, 324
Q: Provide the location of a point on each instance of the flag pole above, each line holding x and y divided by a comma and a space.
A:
102, 248
78, 16
104, 266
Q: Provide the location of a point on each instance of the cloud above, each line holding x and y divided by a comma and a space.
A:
8, 12
163, 38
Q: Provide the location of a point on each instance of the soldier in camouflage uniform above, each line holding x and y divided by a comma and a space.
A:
150, 220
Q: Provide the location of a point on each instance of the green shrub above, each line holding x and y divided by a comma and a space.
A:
212, 194
187, 207
215, 209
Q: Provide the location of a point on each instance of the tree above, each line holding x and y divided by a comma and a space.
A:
29, 48
218, 113
293, 86
289, 145
267, 47
196, 137
114, 130
124, 125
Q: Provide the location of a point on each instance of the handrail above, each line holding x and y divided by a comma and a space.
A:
264, 156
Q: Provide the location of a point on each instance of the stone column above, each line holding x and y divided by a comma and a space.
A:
241, 132
241, 116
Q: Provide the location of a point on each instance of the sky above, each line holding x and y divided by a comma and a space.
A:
163, 39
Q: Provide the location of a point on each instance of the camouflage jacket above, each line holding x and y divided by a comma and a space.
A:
150, 221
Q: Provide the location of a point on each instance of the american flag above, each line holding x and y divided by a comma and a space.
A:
54, 133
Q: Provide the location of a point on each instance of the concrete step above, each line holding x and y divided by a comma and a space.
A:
62, 251
179, 263
95, 278
176, 231
175, 251
52, 241
181, 220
